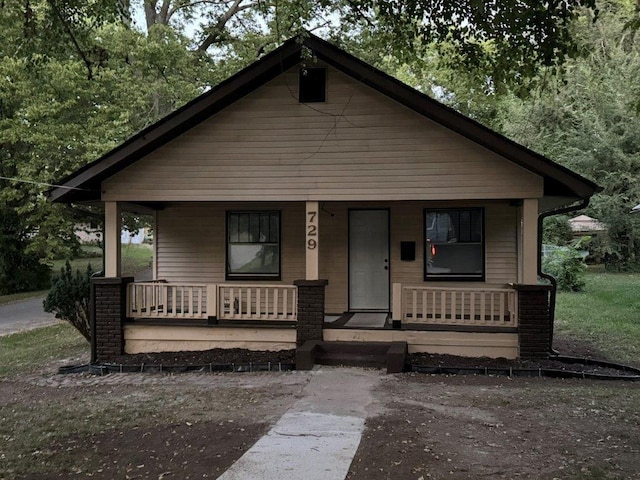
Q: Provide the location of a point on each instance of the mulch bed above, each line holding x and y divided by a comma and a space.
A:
216, 356
237, 356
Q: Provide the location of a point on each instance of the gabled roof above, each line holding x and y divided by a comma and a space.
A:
84, 184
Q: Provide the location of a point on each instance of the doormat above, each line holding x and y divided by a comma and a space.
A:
368, 320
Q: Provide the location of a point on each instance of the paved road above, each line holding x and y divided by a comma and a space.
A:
24, 315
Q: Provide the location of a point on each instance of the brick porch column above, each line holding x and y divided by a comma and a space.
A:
310, 309
534, 320
109, 309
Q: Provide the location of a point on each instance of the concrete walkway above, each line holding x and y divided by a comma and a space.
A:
24, 315
317, 438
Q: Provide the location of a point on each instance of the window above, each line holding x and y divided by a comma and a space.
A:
253, 245
454, 244
312, 85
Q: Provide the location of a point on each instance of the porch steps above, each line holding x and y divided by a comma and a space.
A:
389, 355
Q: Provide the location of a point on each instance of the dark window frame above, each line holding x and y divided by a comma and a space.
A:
252, 276
455, 277
309, 91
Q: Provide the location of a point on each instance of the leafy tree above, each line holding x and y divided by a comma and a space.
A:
557, 230
587, 120
78, 77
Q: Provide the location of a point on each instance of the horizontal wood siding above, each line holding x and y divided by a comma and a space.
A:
191, 241
464, 344
406, 220
148, 338
359, 145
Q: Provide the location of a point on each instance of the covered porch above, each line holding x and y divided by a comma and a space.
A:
194, 303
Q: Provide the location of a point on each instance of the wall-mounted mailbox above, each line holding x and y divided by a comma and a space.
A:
407, 251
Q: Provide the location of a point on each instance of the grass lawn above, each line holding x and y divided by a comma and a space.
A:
135, 259
607, 314
16, 297
24, 352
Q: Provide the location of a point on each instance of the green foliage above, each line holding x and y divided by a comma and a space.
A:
587, 120
557, 230
69, 298
567, 266
20, 271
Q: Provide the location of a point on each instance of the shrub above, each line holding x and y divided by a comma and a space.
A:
567, 267
69, 298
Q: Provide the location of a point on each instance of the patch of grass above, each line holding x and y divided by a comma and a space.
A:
607, 314
26, 351
16, 297
135, 259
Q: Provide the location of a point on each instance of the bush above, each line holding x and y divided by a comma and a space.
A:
567, 266
69, 298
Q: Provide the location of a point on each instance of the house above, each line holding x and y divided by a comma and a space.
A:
585, 225
319, 199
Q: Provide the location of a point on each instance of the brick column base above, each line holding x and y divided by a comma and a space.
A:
109, 309
310, 310
534, 320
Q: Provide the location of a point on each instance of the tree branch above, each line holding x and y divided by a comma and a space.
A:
84, 58
216, 31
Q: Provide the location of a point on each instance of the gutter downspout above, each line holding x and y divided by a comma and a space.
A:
552, 301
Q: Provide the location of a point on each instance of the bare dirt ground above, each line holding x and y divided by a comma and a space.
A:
187, 426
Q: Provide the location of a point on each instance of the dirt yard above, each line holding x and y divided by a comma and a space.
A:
187, 426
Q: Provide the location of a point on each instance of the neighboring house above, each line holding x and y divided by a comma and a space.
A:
584, 225
90, 234
298, 190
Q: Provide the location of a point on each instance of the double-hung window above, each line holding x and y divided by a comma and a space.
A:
454, 244
253, 245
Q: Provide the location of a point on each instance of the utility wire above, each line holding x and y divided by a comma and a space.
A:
19, 180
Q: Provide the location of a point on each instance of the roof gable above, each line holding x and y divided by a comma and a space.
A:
84, 184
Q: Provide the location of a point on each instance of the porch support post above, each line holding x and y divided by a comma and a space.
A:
108, 312
534, 320
529, 242
112, 228
312, 243
310, 310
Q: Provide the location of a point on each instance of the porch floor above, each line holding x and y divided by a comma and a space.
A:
369, 320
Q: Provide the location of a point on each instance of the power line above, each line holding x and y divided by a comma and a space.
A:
19, 180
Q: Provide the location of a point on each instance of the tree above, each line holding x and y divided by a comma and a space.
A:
78, 77
588, 121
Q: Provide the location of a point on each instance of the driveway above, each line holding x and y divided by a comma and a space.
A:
24, 315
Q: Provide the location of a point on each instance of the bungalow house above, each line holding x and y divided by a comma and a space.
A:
315, 198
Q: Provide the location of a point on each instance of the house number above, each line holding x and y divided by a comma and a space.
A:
312, 230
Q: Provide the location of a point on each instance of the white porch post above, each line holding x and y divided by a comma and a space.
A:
529, 233
312, 242
112, 227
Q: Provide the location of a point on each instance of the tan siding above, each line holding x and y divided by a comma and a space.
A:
191, 243
359, 145
147, 338
492, 345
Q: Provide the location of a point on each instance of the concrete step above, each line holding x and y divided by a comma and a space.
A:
389, 355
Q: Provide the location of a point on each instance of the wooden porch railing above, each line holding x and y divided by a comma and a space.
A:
455, 306
257, 302
168, 300
201, 301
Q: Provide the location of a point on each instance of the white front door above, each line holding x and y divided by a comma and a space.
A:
369, 260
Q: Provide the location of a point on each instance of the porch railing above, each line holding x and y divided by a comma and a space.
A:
257, 302
168, 300
201, 301
455, 306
